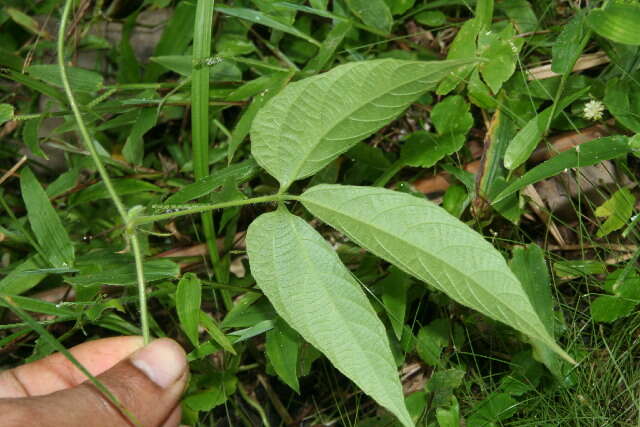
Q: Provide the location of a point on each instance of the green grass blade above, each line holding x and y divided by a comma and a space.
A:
54, 241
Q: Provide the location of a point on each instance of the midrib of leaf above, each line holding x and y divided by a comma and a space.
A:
311, 266
543, 337
372, 358
312, 147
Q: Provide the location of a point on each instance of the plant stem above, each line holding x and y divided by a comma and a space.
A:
200, 120
88, 142
390, 173
142, 297
139, 220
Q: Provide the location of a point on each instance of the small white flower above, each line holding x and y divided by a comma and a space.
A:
593, 110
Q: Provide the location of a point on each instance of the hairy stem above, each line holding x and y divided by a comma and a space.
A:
91, 147
208, 208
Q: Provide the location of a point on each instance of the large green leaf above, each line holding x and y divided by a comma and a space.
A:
617, 21
312, 121
424, 240
316, 295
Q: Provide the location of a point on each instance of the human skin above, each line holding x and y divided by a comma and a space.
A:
147, 381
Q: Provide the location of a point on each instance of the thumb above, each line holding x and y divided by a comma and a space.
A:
148, 384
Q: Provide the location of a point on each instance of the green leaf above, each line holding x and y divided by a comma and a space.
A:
425, 241
501, 52
316, 295
394, 297
431, 18
565, 51
327, 50
374, 13
609, 308
424, 149
30, 136
398, 7
455, 200
521, 15
238, 173
442, 384
462, 47
188, 298
26, 22
121, 186
243, 126
133, 150
527, 139
579, 268
495, 408
215, 332
175, 38
80, 79
617, 210
617, 21
180, 64
314, 120
258, 17
587, 154
452, 116
529, 266
125, 275
17, 281
623, 101
431, 340
6, 113
282, 347
52, 237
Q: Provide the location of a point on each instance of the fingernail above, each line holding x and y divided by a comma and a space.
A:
163, 361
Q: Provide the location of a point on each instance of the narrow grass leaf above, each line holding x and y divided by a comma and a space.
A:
188, 299
238, 173
81, 80
243, 127
427, 242
328, 48
587, 154
258, 17
215, 332
34, 84
54, 241
122, 186
317, 296
17, 282
312, 121
527, 139
26, 22
125, 275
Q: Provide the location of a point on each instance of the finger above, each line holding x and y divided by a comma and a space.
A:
56, 372
148, 384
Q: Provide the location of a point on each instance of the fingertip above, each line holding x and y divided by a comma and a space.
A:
163, 361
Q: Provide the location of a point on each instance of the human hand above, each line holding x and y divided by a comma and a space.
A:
148, 382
